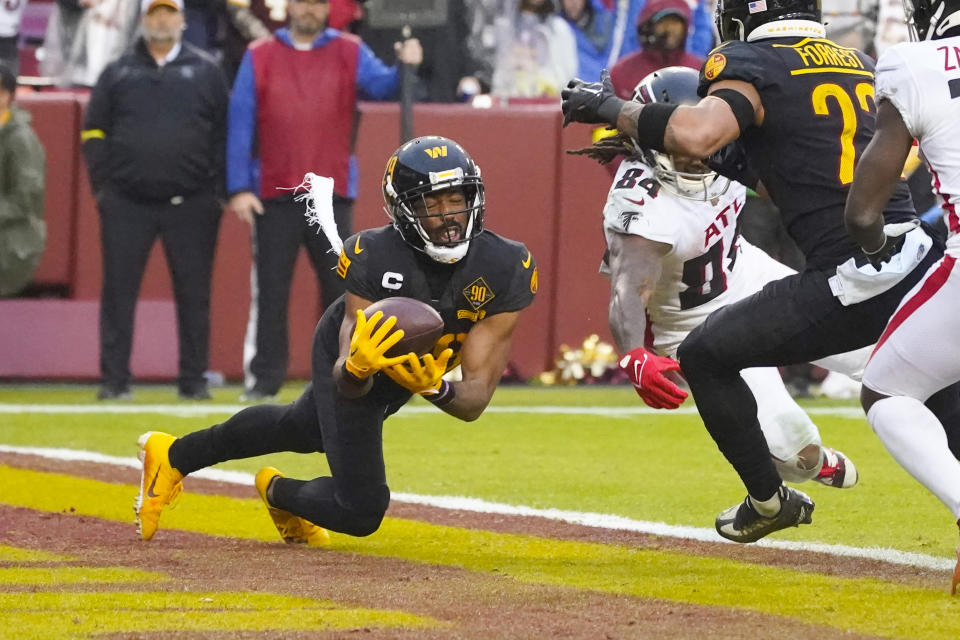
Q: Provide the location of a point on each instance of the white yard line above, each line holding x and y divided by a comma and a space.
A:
596, 520
192, 410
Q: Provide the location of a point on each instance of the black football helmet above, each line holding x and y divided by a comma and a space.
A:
425, 165
677, 85
737, 18
932, 19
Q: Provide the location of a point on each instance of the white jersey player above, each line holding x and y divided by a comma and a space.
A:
918, 355
674, 256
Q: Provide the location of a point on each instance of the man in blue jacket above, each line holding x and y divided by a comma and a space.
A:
293, 110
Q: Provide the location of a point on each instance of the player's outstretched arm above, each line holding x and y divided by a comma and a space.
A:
699, 130
874, 180
635, 267
634, 271
696, 131
483, 358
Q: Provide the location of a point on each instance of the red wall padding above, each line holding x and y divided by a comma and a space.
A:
56, 120
535, 193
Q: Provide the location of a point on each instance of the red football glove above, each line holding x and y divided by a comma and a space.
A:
645, 371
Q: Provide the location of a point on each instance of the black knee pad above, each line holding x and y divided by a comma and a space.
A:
365, 510
363, 524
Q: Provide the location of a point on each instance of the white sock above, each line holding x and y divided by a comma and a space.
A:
768, 508
916, 439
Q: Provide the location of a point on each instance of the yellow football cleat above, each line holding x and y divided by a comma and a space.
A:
293, 529
160, 484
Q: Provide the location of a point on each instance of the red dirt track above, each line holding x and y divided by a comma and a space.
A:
474, 605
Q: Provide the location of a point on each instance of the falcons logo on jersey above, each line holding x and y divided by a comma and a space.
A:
626, 217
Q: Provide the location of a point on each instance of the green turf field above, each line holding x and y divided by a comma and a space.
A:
662, 467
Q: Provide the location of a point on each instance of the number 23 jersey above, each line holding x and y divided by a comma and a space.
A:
819, 114
708, 266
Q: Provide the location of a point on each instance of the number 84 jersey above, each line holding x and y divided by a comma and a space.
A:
708, 266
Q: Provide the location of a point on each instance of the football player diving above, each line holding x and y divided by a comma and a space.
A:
803, 109
435, 250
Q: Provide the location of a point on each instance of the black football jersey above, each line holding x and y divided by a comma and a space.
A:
496, 276
819, 116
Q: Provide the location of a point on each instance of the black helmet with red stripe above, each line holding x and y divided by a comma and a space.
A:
677, 85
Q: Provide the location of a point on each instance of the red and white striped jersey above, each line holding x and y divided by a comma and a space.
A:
922, 80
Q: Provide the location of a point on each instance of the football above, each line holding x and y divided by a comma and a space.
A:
422, 325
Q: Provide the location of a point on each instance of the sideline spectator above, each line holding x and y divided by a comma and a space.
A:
154, 136
482, 41
249, 20
536, 52
293, 109
23, 232
703, 31
447, 65
11, 12
625, 38
592, 25
891, 27
662, 29
84, 36
202, 19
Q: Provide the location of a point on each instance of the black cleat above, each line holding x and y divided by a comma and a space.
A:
742, 523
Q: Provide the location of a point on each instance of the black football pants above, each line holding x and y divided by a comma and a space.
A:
355, 497
793, 320
277, 237
128, 229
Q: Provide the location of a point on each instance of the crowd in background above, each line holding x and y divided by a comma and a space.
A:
507, 48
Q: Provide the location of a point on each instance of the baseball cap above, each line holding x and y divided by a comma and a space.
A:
147, 5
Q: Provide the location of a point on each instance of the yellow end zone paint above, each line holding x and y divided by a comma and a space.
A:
73, 575
16, 554
862, 605
63, 616
88, 613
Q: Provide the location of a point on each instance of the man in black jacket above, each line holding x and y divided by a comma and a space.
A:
154, 139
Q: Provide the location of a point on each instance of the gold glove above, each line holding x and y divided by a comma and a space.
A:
368, 346
423, 376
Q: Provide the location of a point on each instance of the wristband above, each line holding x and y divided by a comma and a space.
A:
444, 395
652, 125
350, 376
609, 110
741, 106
